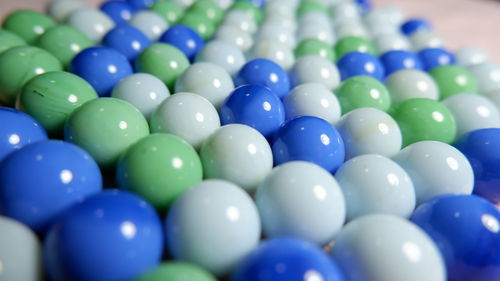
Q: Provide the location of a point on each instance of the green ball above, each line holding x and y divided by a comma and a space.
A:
168, 10
256, 13
28, 24
200, 23
311, 6
314, 47
105, 128
51, 97
64, 42
159, 168
9, 40
163, 61
208, 8
424, 119
20, 64
363, 91
354, 44
453, 79
177, 271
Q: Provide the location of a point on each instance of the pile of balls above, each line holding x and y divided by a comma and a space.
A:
287, 140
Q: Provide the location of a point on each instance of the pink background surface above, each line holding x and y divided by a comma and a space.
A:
460, 22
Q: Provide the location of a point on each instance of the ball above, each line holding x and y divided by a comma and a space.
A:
264, 72
94, 23
409, 84
396, 60
357, 63
185, 39
127, 40
363, 91
314, 69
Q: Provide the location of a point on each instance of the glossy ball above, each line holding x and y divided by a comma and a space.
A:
372, 247
208, 8
425, 119
466, 230
276, 31
207, 80
51, 97
127, 40
141, 4
177, 271
225, 55
9, 39
18, 130
185, 39
119, 11
142, 90
186, 115
248, 8
27, 24
234, 35
95, 238
436, 168
487, 76
237, 153
357, 63
354, 44
413, 25
314, 47
398, 60
363, 91
264, 72
21, 252
391, 41
200, 23
477, 147
255, 106
314, 69
94, 23
454, 79
369, 131
434, 57
102, 67
409, 84
164, 61
300, 199
424, 39
469, 56
150, 23
275, 51
106, 127
310, 139
61, 9
312, 99
287, 259
168, 10
232, 215
63, 174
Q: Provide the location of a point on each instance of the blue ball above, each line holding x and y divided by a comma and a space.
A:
398, 60
481, 149
185, 39
18, 129
255, 106
257, 3
287, 259
466, 230
40, 181
119, 11
141, 4
434, 57
364, 5
413, 25
127, 40
102, 67
358, 63
309, 138
265, 73
114, 235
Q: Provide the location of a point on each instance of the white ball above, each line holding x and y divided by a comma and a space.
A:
186, 115
223, 54
436, 168
94, 23
411, 83
469, 56
301, 199
231, 34
237, 153
351, 28
184, 3
369, 131
274, 50
223, 4
61, 9
150, 23
392, 41
487, 76
241, 20
423, 39
320, 32
315, 69
345, 11
273, 31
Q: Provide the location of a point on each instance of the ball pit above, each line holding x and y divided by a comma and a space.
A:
245, 140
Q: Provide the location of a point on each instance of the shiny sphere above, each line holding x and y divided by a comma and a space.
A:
398, 59
411, 83
357, 63
94, 23
224, 54
264, 72
434, 57
314, 69
185, 39
119, 11
413, 25
127, 40
150, 23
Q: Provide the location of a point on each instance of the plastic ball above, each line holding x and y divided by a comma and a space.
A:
264, 72
9, 40
234, 35
51, 97
434, 57
225, 55
27, 24
127, 40
232, 215
142, 90
276, 31
301, 199
469, 56
164, 61
436, 168
372, 247
168, 10
176, 271
363, 91
94, 23
275, 51
208, 80
150, 23
312, 99
413, 25
21, 252
409, 84
478, 146
369, 131
186, 115
314, 69
424, 39
453, 79
208, 8
321, 32
185, 39
424, 119
391, 41
105, 127
487, 76
310, 139
95, 238
63, 174
102, 67
354, 44
248, 8
398, 60
200, 23
357, 63
314, 47
466, 231
61, 9
20, 64
141, 4
119, 11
